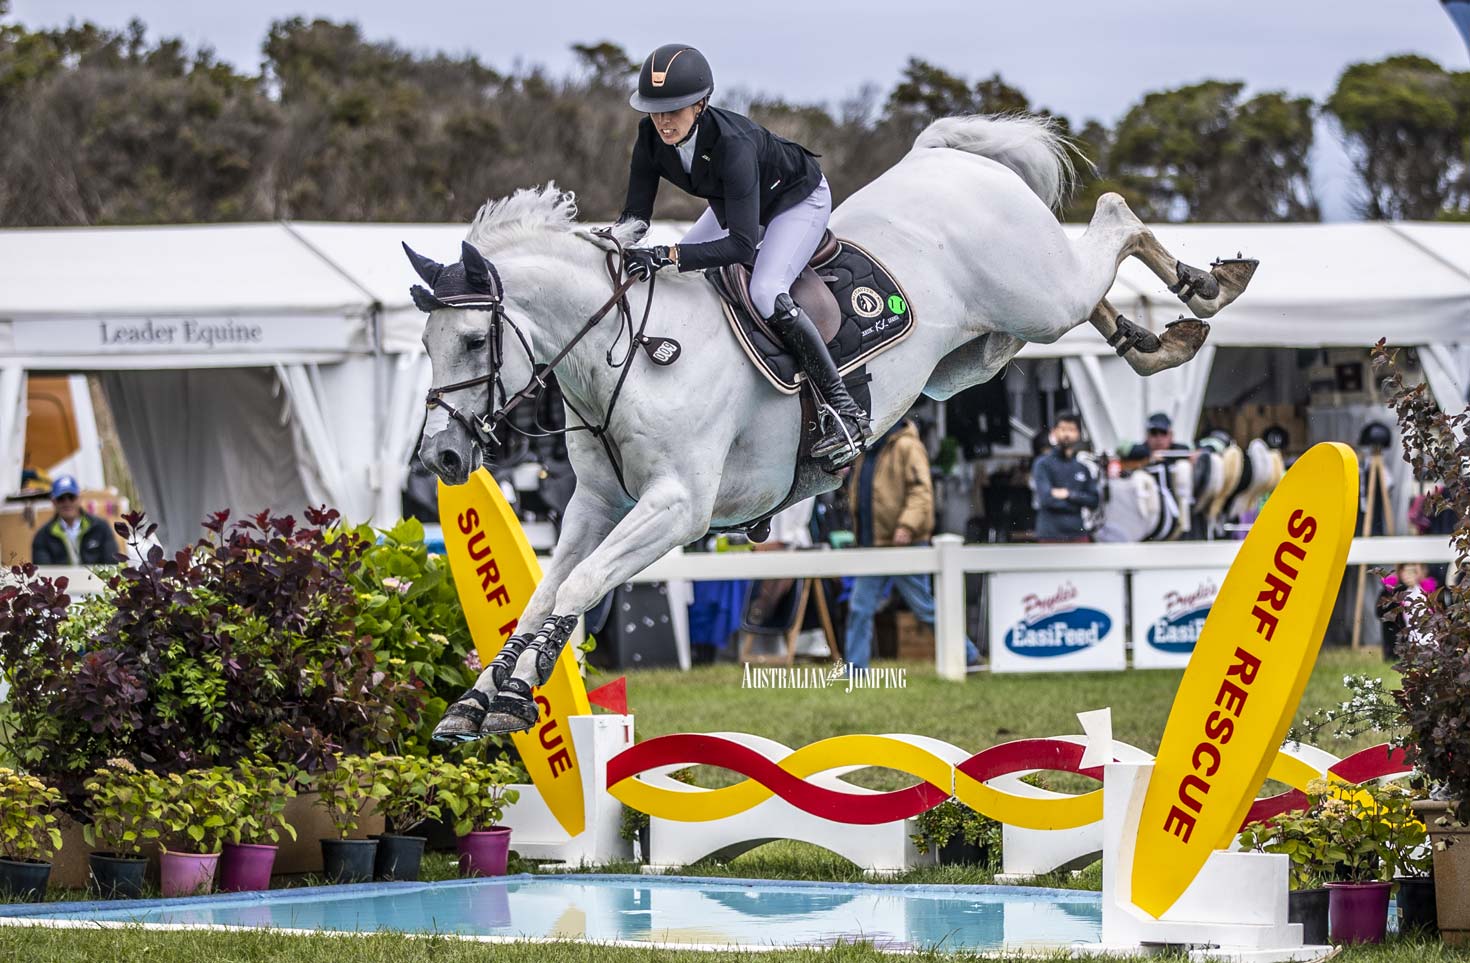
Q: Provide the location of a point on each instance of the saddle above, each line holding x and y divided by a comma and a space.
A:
857, 306
860, 311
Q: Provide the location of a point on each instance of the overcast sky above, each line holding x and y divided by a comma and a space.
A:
1083, 59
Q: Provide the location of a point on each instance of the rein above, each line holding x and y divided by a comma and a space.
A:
482, 428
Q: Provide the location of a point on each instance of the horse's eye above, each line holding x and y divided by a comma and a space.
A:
475, 342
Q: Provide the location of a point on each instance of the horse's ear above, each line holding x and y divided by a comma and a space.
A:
427, 269
476, 268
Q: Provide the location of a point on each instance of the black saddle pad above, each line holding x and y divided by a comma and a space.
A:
876, 315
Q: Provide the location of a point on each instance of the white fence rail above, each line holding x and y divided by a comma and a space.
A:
949, 559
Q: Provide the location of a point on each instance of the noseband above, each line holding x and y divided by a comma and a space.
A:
482, 427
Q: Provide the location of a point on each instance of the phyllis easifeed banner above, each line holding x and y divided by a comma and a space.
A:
1056, 622
1169, 610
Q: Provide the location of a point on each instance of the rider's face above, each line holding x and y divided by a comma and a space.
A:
674, 126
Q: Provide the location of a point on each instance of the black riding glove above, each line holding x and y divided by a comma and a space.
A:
642, 262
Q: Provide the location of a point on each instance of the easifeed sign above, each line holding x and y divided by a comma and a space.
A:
1169, 611
1056, 622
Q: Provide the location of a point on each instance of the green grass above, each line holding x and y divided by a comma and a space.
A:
983, 711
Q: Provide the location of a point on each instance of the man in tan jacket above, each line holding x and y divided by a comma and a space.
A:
891, 497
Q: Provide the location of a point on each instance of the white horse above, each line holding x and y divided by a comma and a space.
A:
964, 221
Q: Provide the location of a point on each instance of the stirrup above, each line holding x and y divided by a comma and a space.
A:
839, 446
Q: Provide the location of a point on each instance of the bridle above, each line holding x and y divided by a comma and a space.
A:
483, 427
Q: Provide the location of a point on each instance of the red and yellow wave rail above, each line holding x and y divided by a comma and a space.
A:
789, 779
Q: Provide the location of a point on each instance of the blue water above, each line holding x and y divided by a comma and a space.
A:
643, 909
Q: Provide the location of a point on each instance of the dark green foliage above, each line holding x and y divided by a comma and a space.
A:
1407, 121
1434, 650
245, 643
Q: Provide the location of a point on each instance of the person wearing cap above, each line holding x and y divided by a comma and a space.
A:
768, 203
72, 537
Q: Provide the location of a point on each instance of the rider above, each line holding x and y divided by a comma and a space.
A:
761, 188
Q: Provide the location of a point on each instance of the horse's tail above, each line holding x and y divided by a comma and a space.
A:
1031, 146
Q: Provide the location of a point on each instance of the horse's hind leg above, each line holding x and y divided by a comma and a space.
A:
1146, 352
667, 515
1205, 293
587, 522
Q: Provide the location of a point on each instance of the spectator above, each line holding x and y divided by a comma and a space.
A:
892, 501
72, 537
1064, 486
1410, 581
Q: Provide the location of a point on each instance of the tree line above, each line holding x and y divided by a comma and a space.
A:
111, 127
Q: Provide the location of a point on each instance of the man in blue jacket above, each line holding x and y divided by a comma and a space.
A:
1063, 486
72, 536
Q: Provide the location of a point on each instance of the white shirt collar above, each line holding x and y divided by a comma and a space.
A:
686, 149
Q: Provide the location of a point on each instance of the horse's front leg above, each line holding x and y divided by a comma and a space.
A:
668, 515
587, 521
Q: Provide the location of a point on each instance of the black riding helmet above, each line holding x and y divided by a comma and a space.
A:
674, 76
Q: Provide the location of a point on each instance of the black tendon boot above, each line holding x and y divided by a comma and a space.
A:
514, 708
844, 436
462, 720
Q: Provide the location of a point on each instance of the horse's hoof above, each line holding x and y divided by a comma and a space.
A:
1231, 276
1179, 343
509, 712
462, 721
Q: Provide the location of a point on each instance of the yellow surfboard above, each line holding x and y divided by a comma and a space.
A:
1244, 682
495, 572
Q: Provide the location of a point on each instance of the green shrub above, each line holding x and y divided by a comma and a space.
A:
952, 818
346, 789
475, 792
28, 818
124, 808
410, 789
259, 808
197, 808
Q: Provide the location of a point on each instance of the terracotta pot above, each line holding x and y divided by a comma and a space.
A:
1451, 870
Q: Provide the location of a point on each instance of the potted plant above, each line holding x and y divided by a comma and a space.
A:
345, 791
196, 811
1407, 844
410, 797
29, 835
123, 807
1357, 824
635, 824
1299, 837
1434, 647
476, 792
958, 835
257, 824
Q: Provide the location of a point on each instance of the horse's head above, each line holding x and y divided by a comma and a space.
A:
465, 338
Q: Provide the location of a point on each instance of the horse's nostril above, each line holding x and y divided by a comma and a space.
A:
449, 460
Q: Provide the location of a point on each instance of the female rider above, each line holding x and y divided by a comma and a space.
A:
762, 189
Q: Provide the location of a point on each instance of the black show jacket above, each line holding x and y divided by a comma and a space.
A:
748, 175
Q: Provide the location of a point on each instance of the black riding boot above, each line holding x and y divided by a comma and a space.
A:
844, 437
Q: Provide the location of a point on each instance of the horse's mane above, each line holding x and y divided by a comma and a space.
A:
529, 214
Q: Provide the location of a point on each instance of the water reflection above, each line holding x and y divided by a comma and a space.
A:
646, 909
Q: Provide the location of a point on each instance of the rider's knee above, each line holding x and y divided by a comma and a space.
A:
763, 294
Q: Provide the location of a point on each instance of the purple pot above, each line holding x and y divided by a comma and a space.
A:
186, 874
246, 866
484, 853
1358, 912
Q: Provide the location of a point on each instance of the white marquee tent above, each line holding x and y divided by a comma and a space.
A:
278, 364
